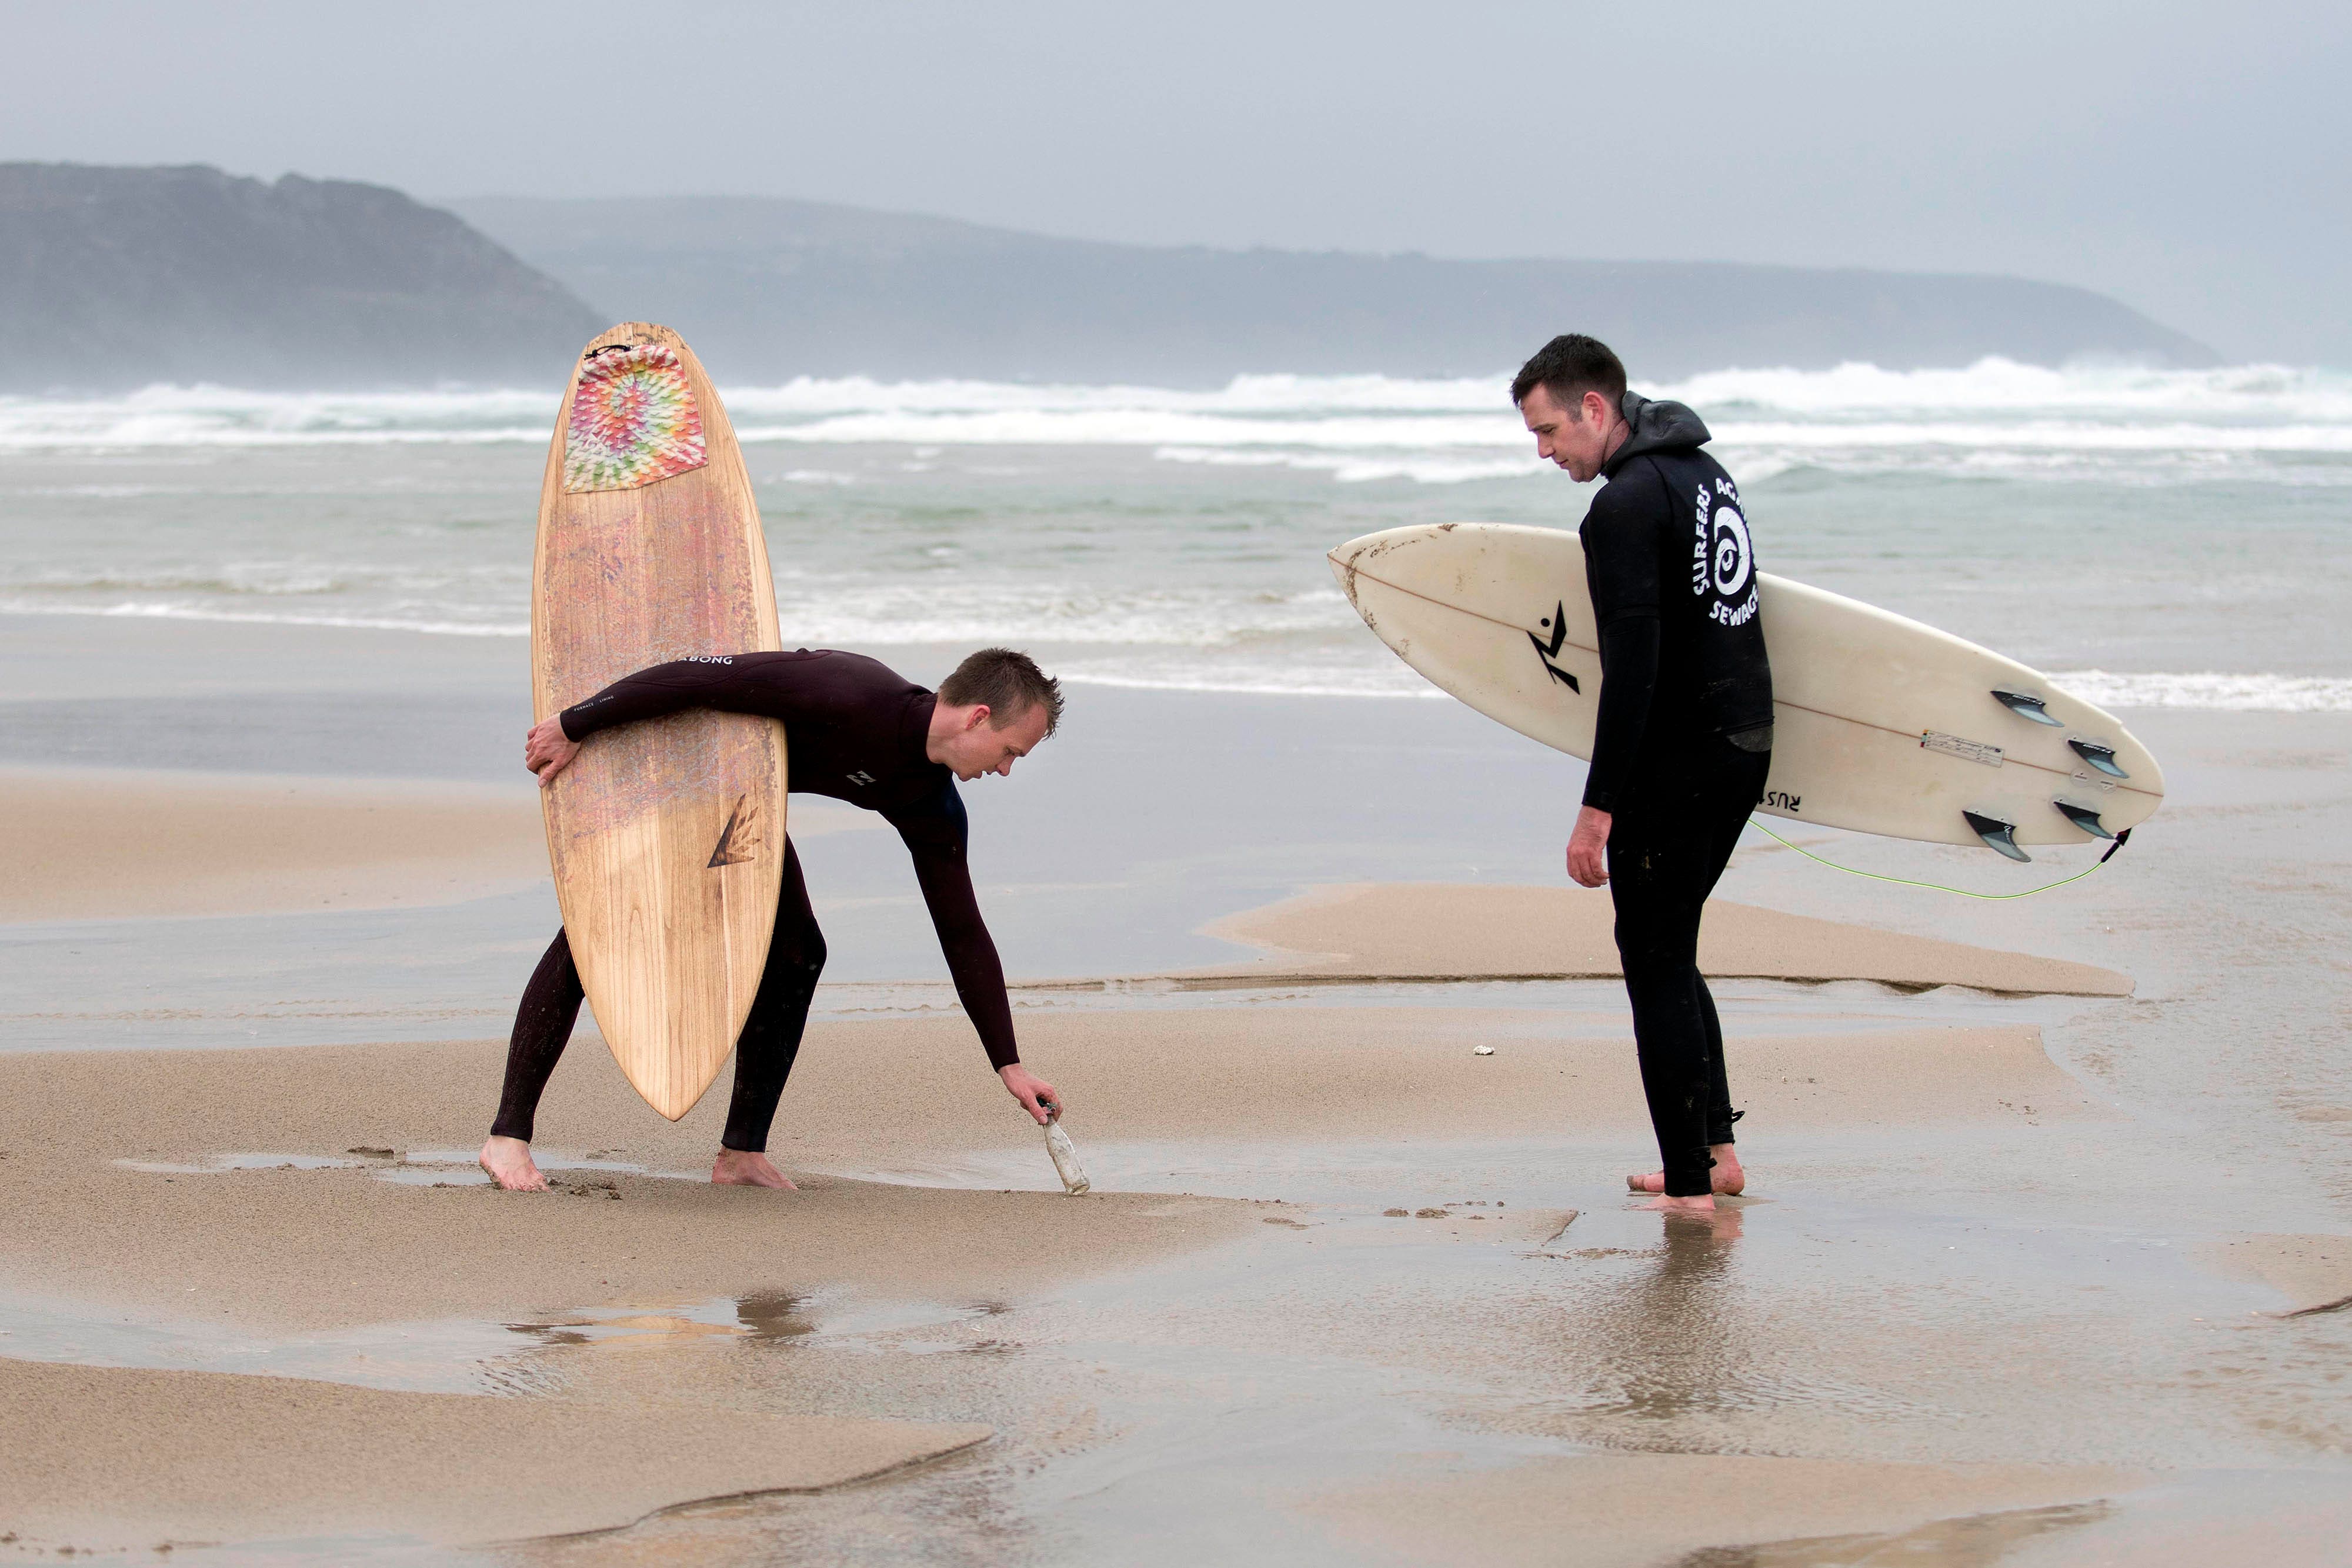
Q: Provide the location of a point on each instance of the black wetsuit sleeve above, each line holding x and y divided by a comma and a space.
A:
936, 834
777, 685
1628, 683
1621, 568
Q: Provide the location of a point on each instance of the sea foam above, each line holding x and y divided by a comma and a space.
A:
1995, 415
1173, 539
2211, 690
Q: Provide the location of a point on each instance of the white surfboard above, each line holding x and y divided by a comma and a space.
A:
1880, 724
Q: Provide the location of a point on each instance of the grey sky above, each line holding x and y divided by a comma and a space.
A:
2191, 159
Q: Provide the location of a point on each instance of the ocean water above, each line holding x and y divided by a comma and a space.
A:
2157, 538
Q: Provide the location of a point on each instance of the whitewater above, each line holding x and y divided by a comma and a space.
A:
2166, 538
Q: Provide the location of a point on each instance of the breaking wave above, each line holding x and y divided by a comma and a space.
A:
1995, 416
2212, 690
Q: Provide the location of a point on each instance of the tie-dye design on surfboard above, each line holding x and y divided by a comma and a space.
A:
634, 421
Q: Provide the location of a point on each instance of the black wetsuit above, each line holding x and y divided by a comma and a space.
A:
855, 729
1681, 746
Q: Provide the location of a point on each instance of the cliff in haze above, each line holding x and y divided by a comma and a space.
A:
769, 289
116, 278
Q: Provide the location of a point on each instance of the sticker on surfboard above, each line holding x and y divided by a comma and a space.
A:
1957, 746
634, 421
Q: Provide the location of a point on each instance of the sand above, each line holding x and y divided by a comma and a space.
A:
311, 1251
255, 1245
97, 845
91, 845
1304, 1073
1632, 1509
87, 1465
322, 1248
1438, 932
117, 1214
103, 1456
2314, 1272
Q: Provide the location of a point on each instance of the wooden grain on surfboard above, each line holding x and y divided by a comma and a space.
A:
668, 836
1881, 724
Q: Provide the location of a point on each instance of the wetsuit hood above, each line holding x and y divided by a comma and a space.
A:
1658, 426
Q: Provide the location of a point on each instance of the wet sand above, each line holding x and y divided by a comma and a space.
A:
1622, 1511
2010, 1284
110, 1196
352, 1215
2314, 1272
83, 844
86, 844
322, 1192
326, 1247
95, 844
288, 1457
1432, 931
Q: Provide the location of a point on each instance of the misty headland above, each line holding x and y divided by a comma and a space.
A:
112, 278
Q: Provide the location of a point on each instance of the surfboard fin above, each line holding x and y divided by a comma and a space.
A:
2083, 817
2025, 704
2099, 755
1997, 834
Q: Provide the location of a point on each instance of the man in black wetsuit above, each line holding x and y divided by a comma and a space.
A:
1685, 731
858, 732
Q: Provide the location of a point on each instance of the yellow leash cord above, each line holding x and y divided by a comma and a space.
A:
1939, 886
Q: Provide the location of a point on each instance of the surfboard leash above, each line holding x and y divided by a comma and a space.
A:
2121, 839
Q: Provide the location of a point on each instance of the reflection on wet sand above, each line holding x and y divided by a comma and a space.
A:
1666, 1337
1977, 1541
954, 1512
773, 1315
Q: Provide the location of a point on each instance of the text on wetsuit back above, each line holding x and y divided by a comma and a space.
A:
1721, 557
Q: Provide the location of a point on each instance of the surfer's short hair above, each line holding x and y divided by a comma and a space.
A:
1568, 367
1011, 684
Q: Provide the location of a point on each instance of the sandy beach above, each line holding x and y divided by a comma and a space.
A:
2044, 1260
89, 844
297, 1458
307, 1195
1432, 931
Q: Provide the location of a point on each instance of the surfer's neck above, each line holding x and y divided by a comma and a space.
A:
947, 721
1614, 439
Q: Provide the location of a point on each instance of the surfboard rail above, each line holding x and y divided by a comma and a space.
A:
1882, 724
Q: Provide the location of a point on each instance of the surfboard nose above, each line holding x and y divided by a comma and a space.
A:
1346, 558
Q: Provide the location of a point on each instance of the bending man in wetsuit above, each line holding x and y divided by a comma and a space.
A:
856, 731
1685, 732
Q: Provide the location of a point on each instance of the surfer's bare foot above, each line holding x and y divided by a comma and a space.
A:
1703, 1203
747, 1168
508, 1163
1730, 1180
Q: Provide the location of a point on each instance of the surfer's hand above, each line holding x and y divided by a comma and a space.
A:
1037, 1096
1588, 848
547, 750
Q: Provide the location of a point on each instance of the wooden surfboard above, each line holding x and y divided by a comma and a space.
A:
1880, 724
668, 837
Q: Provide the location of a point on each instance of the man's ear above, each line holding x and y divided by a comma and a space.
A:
978, 716
1594, 408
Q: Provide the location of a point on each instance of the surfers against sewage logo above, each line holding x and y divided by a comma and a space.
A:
1722, 561
633, 420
